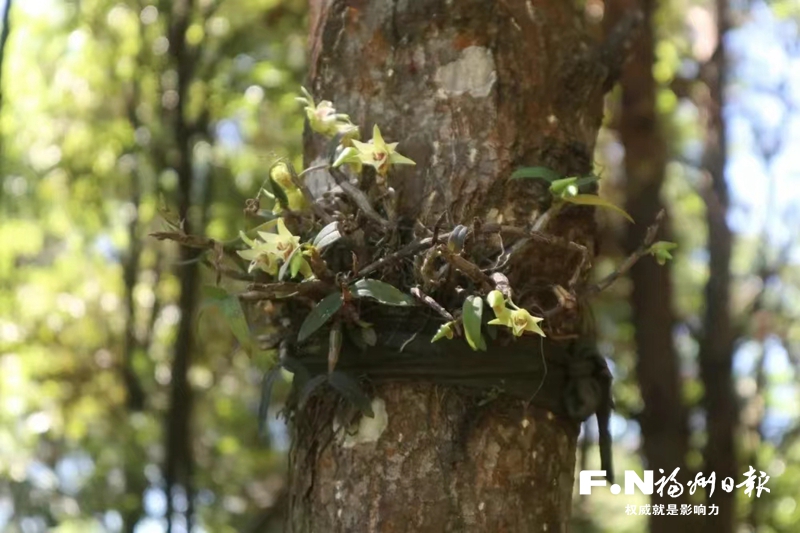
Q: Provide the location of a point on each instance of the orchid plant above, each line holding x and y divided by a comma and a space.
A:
297, 252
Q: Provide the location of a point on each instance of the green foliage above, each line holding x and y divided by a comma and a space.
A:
88, 151
591, 199
322, 312
567, 189
381, 292
542, 173
472, 312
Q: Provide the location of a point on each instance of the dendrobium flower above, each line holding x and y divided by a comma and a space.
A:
518, 320
379, 154
259, 256
521, 321
283, 178
497, 302
275, 249
324, 119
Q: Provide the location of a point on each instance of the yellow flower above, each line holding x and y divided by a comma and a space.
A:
259, 257
275, 249
282, 243
497, 302
377, 153
283, 178
521, 321
281, 175
518, 320
324, 119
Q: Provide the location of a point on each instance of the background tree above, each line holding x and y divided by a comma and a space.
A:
664, 417
90, 158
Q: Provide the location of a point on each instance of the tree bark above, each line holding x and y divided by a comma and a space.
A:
664, 419
716, 345
471, 90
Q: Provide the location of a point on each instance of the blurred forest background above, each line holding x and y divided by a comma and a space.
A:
115, 376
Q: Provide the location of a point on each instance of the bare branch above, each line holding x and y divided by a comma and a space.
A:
466, 267
430, 302
626, 265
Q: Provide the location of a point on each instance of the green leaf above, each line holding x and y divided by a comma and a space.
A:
348, 387
542, 173
471, 317
586, 180
327, 236
592, 199
380, 291
334, 345
231, 308
318, 316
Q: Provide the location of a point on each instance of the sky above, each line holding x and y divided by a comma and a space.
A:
763, 113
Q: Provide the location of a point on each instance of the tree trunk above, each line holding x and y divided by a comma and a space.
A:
471, 90
663, 420
716, 344
179, 459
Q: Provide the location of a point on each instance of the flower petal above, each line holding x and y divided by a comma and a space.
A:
248, 255
496, 300
377, 138
399, 159
270, 239
282, 230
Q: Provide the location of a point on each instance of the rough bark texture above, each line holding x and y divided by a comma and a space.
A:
471, 90
440, 464
664, 422
716, 345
